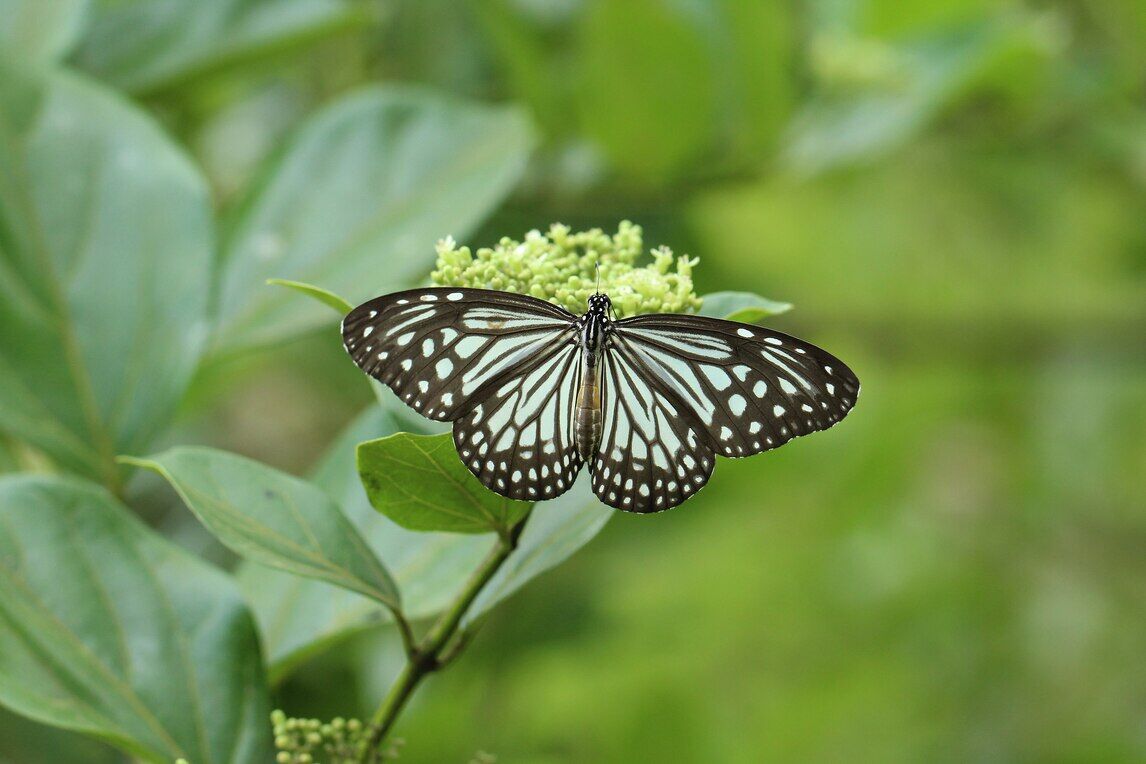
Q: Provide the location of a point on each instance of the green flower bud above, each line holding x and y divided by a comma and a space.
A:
305, 741
562, 267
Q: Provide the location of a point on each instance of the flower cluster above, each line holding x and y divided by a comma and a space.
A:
310, 741
562, 267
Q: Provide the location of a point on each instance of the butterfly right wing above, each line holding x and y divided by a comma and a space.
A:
502, 367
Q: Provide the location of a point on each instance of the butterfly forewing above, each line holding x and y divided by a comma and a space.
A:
653, 453
437, 348
752, 388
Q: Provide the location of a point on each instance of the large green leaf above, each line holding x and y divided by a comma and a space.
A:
107, 629
741, 306
419, 482
556, 529
146, 45
39, 30
274, 519
105, 260
356, 200
300, 616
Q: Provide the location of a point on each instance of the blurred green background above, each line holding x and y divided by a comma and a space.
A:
952, 193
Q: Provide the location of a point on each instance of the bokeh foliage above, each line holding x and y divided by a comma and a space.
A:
950, 191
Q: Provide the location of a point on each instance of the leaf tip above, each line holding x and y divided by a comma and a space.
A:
325, 296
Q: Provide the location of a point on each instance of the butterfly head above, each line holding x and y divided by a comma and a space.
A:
599, 303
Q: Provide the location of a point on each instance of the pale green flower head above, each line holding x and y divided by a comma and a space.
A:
561, 267
310, 741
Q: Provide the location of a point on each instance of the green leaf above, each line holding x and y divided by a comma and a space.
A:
274, 519
745, 307
38, 30
356, 200
148, 45
419, 482
341, 306
299, 616
107, 629
105, 263
556, 529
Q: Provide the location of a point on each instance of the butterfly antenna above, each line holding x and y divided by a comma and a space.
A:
598, 267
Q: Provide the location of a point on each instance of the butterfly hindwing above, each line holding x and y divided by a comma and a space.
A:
518, 439
653, 453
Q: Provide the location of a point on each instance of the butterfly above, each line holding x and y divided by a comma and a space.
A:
536, 392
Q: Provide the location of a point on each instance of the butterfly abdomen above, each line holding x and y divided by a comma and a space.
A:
587, 423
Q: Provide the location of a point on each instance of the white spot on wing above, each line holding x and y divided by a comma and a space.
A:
467, 346
737, 404
717, 376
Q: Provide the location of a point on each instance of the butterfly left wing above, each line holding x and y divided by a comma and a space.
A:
681, 388
501, 366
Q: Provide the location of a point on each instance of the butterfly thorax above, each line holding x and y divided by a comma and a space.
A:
595, 325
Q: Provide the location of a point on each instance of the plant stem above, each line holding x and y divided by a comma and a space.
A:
405, 632
426, 657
